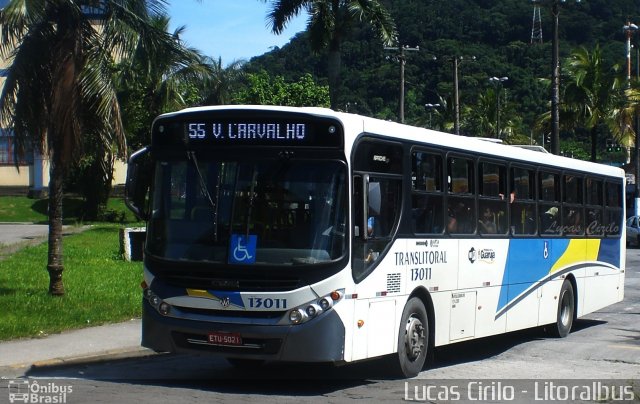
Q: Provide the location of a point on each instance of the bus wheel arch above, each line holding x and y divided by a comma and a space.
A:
415, 335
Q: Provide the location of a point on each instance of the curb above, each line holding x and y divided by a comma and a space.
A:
105, 356
94, 358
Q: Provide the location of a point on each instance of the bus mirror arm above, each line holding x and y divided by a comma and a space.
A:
138, 182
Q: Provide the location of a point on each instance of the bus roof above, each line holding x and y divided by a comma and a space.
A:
355, 125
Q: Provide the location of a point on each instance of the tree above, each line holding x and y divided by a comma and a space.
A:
59, 88
161, 79
330, 22
220, 87
592, 92
263, 89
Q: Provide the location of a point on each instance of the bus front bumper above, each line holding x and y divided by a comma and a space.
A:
318, 340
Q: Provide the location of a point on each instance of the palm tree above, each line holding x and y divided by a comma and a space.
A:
219, 89
330, 21
59, 86
161, 79
592, 92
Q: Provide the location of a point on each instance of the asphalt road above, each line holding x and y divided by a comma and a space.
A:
604, 348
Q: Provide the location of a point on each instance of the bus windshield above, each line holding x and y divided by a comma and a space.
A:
269, 211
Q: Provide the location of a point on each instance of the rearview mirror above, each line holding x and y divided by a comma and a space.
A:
139, 174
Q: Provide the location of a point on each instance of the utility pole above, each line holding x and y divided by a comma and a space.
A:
497, 81
555, 85
457, 61
400, 57
555, 73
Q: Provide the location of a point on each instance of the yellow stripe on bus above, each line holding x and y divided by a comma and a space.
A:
578, 251
200, 293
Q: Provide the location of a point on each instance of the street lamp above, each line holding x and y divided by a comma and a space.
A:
555, 74
400, 57
497, 82
629, 29
431, 107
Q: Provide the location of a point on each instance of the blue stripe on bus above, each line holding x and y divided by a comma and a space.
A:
610, 251
526, 264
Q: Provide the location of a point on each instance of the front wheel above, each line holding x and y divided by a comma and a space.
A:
566, 310
413, 338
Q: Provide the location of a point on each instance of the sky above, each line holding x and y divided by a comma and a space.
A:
232, 30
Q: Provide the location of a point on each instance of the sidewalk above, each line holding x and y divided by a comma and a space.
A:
87, 344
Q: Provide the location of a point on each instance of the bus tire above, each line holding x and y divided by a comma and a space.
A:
566, 310
413, 338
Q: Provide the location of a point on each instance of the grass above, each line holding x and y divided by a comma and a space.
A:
23, 209
100, 286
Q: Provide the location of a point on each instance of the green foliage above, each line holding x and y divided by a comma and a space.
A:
23, 209
264, 89
496, 33
100, 287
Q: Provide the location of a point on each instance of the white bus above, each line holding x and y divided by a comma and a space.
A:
303, 234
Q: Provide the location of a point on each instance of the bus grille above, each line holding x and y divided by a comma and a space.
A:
244, 284
232, 313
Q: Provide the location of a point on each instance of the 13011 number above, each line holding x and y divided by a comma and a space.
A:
267, 303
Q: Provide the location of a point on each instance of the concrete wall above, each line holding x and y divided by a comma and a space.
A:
26, 176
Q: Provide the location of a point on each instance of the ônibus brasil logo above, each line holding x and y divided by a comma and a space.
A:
32, 391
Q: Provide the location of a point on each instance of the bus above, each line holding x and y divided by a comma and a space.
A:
308, 235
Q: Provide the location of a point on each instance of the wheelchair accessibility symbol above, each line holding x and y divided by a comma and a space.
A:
242, 249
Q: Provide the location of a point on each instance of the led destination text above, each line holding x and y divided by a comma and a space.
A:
247, 131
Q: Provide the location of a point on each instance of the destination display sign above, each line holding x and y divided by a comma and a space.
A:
195, 132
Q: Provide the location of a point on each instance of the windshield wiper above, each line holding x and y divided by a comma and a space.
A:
191, 155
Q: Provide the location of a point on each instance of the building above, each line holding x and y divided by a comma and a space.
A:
31, 174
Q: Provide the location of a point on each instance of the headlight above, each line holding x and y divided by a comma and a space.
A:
295, 316
315, 308
164, 308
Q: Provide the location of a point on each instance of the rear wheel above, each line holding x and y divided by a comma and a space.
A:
566, 310
413, 338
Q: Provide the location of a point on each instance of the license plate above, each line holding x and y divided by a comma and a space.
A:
225, 338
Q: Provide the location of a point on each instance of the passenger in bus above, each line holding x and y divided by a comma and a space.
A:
549, 221
452, 222
573, 222
512, 196
487, 222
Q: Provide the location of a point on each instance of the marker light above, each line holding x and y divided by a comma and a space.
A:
336, 295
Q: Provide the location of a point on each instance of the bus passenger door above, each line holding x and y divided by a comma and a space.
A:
378, 276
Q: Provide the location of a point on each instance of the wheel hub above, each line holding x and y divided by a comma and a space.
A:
414, 338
